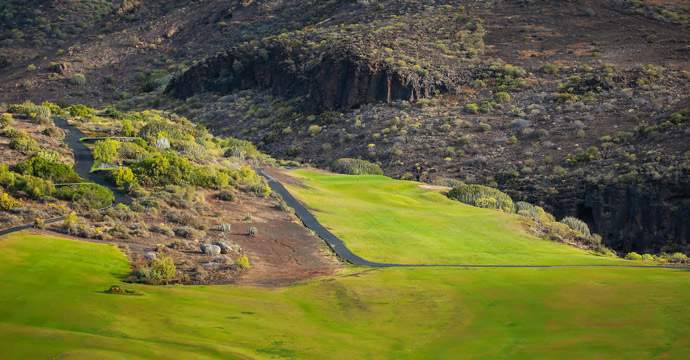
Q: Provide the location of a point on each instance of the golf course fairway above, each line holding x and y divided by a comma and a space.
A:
52, 304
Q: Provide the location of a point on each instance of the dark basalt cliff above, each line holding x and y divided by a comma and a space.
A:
630, 218
338, 80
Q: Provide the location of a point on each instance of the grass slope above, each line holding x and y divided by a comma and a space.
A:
387, 220
52, 305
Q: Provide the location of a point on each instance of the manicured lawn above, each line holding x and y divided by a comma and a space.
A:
386, 220
52, 305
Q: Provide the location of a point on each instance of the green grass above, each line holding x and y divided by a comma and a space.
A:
393, 221
52, 305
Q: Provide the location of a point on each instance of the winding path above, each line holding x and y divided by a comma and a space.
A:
342, 251
83, 162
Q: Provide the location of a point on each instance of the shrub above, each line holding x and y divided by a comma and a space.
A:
89, 196
162, 170
18, 108
678, 258
38, 114
8, 203
471, 108
153, 129
482, 196
105, 151
355, 167
186, 232
77, 79
483, 127
80, 110
577, 225
54, 108
163, 269
52, 132
24, 143
6, 176
127, 128
633, 256
49, 155
243, 262
10, 132
314, 130
47, 170
227, 195
33, 187
257, 188
224, 227
548, 69
6, 119
253, 231
501, 97
122, 175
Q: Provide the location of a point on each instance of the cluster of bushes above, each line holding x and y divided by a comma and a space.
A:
569, 228
355, 167
47, 170
19, 140
675, 258
482, 196
87, 196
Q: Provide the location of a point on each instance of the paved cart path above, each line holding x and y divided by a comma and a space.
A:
342, 251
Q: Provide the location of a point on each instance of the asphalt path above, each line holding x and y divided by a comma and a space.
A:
83, 162
343, 252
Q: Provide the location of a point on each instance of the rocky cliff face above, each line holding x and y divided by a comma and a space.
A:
339, 80
630, 218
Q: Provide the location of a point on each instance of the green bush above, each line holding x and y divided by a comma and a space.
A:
10, 132
163, 269
24, 143
6, 119
577, 225
122, 175
152, 129
80, 110
482, 196
105, 151
355, 167
633, 256
162, 170
49, 155
33, 187
227, 195
47, 170
548, 69
17, 108
6, 177
8, 203
501, 97
678, 258
89, 196
38, 114
208, 178
127, 128
77, 79
54, 108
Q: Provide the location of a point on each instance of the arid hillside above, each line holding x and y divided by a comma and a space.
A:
581, 106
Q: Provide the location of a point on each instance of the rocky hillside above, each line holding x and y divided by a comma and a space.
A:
580, 106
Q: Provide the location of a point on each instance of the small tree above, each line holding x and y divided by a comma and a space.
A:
163, 269
106, 151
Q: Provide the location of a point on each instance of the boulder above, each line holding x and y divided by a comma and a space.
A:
224, 247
